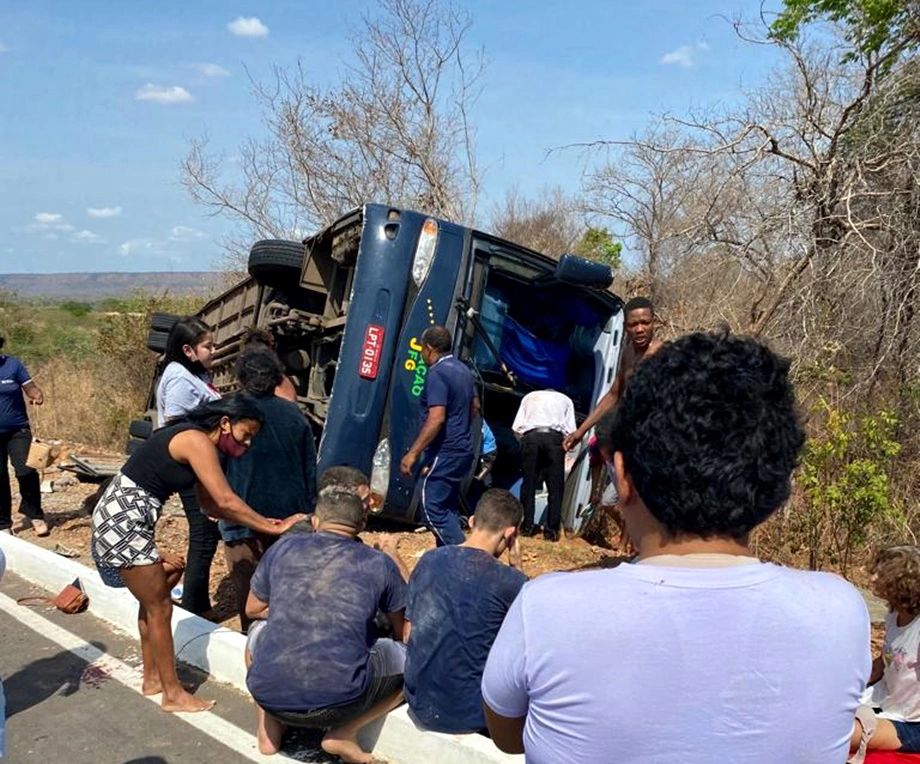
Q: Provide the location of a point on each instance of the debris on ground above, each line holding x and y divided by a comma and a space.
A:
65, 551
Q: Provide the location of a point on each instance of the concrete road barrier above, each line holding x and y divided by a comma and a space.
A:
219, 652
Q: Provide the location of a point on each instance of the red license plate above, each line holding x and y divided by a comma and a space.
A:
370, 353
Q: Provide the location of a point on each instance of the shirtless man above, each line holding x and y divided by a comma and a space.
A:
640, 328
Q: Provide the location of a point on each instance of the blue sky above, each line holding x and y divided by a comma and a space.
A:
101, 99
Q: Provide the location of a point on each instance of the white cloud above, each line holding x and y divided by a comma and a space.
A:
87, 237
136, 246
103, 212
46, 222
184, 233
248, 27
211, 70
162, 94
685, 55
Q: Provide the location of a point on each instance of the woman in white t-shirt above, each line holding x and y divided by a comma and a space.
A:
896, 672
186, 381
184, 385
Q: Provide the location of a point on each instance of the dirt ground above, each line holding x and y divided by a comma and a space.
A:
70, 532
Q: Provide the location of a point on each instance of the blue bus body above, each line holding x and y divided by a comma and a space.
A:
374, 412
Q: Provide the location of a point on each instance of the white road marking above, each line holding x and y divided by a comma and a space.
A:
207, 722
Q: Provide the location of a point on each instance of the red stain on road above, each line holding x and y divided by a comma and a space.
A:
95, 675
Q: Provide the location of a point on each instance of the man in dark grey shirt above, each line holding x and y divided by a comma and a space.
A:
315, 661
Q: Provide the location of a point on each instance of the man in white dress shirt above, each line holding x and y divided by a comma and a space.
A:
544, 419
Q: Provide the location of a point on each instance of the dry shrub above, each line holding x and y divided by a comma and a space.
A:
91, 397
87, 402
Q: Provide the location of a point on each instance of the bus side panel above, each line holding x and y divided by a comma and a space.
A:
578, 483
229, 315
357, 403
434, 304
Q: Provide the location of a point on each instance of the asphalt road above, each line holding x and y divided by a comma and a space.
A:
70, 683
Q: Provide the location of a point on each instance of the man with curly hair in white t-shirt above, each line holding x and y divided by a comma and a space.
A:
696, 652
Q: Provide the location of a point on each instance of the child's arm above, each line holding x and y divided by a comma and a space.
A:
878, 668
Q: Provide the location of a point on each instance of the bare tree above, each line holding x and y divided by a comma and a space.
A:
651, 195
766, 193
395, 129
548, 222
796, 217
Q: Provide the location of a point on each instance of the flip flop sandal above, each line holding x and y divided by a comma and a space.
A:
65, 551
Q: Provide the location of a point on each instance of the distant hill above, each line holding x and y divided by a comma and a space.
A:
98, 286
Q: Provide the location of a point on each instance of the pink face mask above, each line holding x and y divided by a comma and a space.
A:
230, 446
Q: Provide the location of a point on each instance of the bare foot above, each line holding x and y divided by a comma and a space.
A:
347, 749
151, 686
186, 702
269, 734
155, 686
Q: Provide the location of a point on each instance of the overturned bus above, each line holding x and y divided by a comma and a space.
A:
347, 306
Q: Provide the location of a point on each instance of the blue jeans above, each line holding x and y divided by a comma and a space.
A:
909, 735
441, 494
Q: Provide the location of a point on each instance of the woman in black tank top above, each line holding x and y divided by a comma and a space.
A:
124, 521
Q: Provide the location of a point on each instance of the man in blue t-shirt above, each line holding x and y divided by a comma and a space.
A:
313, 658
15, 440
457, 600
450, 403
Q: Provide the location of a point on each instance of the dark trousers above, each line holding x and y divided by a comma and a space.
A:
243, 558
203, 535
441, 496
543, 461
14, 446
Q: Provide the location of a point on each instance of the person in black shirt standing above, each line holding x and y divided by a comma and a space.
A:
276, 476
176, 458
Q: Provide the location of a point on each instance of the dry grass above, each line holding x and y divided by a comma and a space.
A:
87, 402
94, 369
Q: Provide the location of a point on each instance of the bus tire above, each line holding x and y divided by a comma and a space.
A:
156, 340
163, 322
276, 262
140, 428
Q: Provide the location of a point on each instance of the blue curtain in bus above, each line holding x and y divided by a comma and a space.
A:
537, 362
